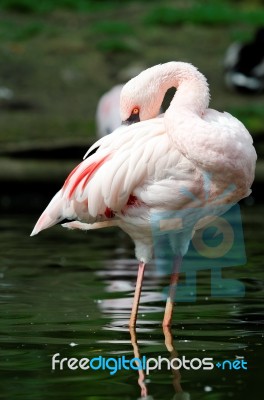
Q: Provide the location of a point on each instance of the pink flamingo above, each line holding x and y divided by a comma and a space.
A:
141, 168
107, 112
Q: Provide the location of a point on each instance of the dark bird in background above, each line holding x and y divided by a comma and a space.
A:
244, 65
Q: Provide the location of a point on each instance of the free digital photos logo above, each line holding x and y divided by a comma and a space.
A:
218, 243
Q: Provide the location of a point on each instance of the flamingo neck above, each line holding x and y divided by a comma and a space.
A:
192, 88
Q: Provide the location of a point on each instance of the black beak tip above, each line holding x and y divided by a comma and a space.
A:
131, 120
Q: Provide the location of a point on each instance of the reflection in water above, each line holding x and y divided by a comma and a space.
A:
170, 347
116, 283
119, 279
53, 288
179, 393
141, 375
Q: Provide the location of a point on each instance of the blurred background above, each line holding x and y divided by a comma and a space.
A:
70, 292
57, 58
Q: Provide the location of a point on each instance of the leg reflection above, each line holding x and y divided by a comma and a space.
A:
171, 349
179, 393
141, 374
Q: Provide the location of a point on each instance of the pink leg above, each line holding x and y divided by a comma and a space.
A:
172, 291
140, 276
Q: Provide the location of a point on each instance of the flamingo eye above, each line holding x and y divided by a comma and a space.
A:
135, 111
134, 117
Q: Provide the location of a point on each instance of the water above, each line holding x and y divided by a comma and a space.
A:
70, 293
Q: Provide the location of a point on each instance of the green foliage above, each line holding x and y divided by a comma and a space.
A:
215, 13
113, 37
112, 28
25, 6
116, 46
252, 116
42, 6
10, 31
32, 6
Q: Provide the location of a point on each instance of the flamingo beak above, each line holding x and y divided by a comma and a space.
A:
131, 120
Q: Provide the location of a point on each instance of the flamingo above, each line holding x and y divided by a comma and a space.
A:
107, 114
158, 163
107, 111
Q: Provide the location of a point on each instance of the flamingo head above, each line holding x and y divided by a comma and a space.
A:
141, 97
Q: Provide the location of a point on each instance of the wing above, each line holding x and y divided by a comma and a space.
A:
116, 165
218, 144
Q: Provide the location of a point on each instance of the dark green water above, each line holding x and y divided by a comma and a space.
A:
70, 292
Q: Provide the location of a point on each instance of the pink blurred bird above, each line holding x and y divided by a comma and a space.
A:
140, 169
107, 112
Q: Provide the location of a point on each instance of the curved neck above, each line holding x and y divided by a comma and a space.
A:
192, 88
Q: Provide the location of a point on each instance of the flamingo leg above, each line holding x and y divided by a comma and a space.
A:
140, 276
172, 291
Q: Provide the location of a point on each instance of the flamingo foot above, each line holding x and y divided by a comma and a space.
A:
86, 227
77, 225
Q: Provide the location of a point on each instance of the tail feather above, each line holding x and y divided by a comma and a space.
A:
51, 215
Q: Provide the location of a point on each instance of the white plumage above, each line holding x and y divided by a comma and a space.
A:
158, 164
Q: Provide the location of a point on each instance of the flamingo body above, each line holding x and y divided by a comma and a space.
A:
158, 164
